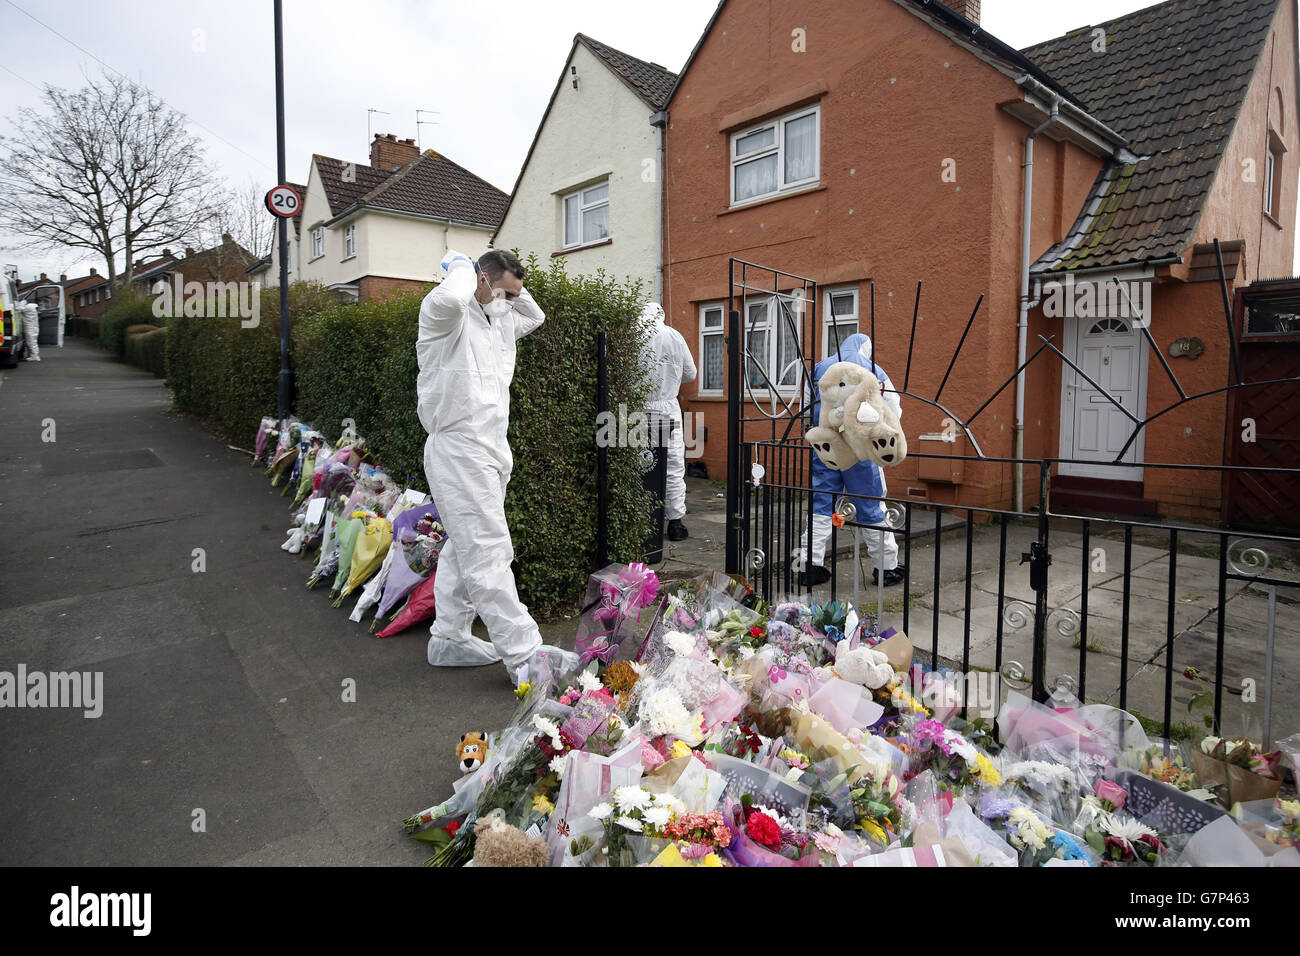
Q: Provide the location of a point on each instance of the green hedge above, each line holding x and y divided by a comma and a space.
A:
128, 310
84, 327
227, 374
358, 361
147, 349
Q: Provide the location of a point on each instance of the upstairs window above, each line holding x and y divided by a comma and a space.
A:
350, 241
586, 215
839, 319
776, 156
1273, 176
318, 242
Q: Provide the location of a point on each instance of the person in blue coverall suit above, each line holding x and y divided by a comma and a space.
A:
865, 478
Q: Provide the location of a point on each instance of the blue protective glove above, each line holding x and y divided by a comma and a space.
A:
451, 258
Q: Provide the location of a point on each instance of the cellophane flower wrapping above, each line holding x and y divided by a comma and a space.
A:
618, 598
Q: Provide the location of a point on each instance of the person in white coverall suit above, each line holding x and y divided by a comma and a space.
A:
671, 367
466, 350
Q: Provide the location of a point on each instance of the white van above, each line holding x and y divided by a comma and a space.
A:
51, 307
13, 345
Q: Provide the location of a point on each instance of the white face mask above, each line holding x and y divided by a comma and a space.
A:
497, 308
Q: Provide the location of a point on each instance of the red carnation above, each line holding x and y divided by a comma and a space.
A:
452, 827
755, 632
763, 830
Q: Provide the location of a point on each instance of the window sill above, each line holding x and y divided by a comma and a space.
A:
711, 397
314, 258
1269, 217
585, 245
802, 191
348, 258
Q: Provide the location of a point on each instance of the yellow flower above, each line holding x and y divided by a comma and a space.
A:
522, 690
872, 829
710, 859
680, 749
541, 804
985, 770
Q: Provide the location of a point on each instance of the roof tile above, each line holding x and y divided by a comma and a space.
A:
1171, 81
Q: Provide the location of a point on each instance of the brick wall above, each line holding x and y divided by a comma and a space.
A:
380, 287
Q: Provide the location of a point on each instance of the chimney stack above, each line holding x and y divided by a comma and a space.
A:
388, 152
189, 251
226, 238
63, 277
970, 9
94, 271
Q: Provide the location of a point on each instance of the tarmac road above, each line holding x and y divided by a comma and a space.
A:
224, 736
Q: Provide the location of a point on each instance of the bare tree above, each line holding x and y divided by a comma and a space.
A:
109, 168
242, 212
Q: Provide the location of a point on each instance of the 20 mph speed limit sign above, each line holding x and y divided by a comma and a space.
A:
284, 201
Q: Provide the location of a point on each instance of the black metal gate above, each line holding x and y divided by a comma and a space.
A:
774, 340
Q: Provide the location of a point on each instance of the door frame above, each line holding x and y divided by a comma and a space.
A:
1070, 346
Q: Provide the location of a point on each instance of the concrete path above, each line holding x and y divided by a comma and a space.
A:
222, 690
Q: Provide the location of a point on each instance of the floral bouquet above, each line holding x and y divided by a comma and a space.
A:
268, 431
615, 597
698, 837
762, 836
632, 819
1171, 768
1120, 839
1035, 840
881, 808
1286, 815
955, 761
418, 538
1237, 769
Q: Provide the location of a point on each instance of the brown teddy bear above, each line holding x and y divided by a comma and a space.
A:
497, 843
471, 751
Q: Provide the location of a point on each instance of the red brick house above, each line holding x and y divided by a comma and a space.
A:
893, 141
226, 262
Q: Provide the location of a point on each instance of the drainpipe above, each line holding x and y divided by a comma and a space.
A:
659, 121
1026, 226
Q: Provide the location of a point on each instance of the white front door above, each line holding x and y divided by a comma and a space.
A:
1113, 352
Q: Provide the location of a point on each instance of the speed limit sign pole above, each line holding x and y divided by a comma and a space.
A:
286, 374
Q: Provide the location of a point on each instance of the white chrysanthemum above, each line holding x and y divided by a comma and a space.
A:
601, 811
1126, 828
631, 798
682, 644
665, 713
657, 817
1031, 831
638, 668
962, 747
663, 799
558, 763
589, 681
630, 823
548, 728
746, 652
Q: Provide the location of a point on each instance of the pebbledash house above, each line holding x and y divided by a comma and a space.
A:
1078, 185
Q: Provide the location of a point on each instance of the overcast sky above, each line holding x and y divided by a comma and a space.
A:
488, 70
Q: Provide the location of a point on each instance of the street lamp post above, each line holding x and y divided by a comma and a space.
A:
286, 374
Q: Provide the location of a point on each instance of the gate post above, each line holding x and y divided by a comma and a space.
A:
1039, 559
735, 366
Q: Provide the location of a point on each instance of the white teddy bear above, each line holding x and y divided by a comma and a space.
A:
862, 665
